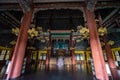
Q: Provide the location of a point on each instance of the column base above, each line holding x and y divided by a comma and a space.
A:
18, 78
114, 74
4, 76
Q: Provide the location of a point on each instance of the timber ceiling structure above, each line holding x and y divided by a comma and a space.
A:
58, 15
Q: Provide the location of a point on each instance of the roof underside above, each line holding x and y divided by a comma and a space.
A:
58, 15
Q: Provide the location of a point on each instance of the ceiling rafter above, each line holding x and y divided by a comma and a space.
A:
6, 19
10, 18
111, 18
13, 18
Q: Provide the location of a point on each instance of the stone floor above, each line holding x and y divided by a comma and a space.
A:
58, 75
54, 72
66, 72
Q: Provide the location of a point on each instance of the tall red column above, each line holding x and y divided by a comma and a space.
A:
48, 52
110, 59
72, 50
99, 64
19, 51
73, 55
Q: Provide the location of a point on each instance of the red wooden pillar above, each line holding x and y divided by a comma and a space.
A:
111, 62
99, 64
110, 59
19, 51
73, 57
48, 52
47, 59
72, 50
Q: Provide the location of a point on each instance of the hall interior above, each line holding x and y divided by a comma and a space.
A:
48, 39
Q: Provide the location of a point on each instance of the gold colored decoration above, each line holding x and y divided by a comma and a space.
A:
111, 42
40, 37
72, 48
47, 38
49, 48
102, 31
48, 30
43, 40
13, 42
32, 26
45, 48
84, 32
102, 44
88, 48
72, 30
15, 31
79, 27
74, 38
96, 20
79, 40
39, 28
32, 32
31, 48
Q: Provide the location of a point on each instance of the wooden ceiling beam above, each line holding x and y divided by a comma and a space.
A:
10, 6
67, 5
59, 5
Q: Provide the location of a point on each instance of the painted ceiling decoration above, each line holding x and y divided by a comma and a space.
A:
59, 18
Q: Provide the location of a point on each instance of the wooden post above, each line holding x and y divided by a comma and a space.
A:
72, 50
19, 51
73, 54
99, 64
48, 52
110, 59
109, 56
